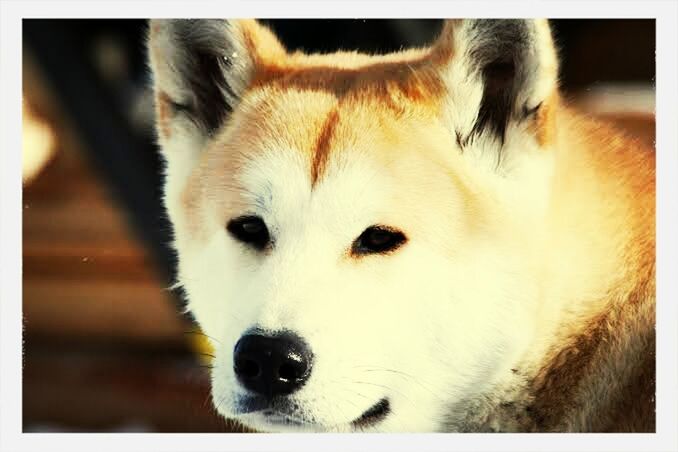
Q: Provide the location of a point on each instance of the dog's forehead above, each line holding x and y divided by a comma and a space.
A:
280, 185
321, 110
359, 166
322, 126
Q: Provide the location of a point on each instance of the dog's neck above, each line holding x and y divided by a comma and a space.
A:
593, 349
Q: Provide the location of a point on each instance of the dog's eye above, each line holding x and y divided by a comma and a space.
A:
251, 230
378, 239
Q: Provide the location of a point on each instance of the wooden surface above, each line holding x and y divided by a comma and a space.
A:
84, 274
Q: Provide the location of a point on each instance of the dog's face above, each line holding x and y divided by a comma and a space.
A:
349, 236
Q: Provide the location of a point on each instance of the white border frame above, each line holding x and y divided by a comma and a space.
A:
11, 14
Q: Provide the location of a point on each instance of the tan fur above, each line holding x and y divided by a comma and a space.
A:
605, 358
544, 125
163, 112
322, 146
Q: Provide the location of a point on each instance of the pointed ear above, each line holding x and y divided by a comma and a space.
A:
201, 68
496, 72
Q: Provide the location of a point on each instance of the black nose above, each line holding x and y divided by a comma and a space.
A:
272, 365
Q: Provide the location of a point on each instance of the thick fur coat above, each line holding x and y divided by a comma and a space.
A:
516, 287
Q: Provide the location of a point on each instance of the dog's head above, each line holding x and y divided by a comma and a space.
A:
354, 232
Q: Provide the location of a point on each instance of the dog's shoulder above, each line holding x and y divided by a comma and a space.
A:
600, 375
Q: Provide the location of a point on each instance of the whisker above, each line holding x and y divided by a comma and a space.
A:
405, 375
201, 333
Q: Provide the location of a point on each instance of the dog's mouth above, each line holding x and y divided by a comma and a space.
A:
375, 414
282, 413
278, 418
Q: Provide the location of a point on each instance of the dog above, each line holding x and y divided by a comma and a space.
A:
424, 241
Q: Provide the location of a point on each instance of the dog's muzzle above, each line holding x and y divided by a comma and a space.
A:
272, 367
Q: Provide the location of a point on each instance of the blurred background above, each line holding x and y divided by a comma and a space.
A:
105, 346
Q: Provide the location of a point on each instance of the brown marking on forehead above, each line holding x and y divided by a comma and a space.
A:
322, 146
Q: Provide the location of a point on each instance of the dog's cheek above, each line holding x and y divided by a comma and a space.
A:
214, 277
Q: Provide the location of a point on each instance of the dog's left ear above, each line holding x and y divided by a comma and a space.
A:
201, 69
495, 72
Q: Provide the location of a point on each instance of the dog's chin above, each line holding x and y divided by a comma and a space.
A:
282, 416
274, 421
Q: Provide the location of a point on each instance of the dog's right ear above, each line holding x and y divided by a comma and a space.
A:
201, 68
